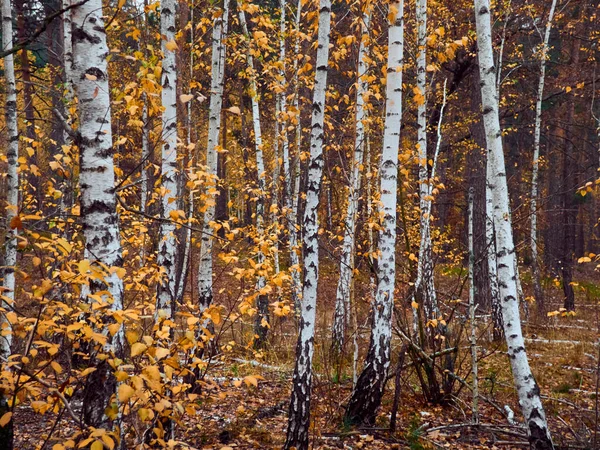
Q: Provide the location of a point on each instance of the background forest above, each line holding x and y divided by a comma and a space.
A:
299, 224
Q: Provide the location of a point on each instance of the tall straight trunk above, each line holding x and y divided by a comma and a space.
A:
12, 207
472, 306
261, 325
97, 178
537, 287
205, 271
527, 388
167, 247
425, 277
292, 174
342, 299
490, 239
299, 410
367, 394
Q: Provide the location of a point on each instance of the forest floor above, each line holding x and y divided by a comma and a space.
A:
563, 352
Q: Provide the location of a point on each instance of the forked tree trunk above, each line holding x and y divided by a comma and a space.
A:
97, 179
537, 287
425, 282
527, 388
12, 206
205, 271
167, 247
299, 410
261, 325
342, 300
367, 394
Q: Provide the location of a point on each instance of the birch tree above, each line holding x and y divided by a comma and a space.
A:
527, 388
262, 303
96, 180
425, 277
299, 409
12, 206
167, 295
367, 394
537, 287
342, 299
205, 271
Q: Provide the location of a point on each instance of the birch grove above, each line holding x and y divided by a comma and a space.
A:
230, 224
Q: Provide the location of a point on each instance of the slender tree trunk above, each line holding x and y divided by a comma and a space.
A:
472, 294
342, 300
537, 287
97, 178
205, 272
425, 276
367, 394
12, 208
167, 247
293, 185
261, 326
299, 410
527, 388
490, 239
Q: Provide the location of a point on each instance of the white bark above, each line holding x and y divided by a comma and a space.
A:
536, 158
527, 388
262, 300
366, 396
205, 272
68, 49
12, 181
472, 307
167, 247
97, 177
292, 174
491, 258
299, 411
342, 300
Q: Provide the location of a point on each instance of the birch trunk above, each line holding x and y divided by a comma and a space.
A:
367, 394
167, 295
205, 272
97, 178
537, 288
425, 277
490, 239
342, 300
299, 410
527, 388
472, 307
293, 185
261, 325
12, 206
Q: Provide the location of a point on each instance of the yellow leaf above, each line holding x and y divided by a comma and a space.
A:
251, 381
171, 46
237, 383
584, 259
415, 305
36, 261
161, 352
83, 266
137, 349
5, 419
234, 110
125, 392
97, 445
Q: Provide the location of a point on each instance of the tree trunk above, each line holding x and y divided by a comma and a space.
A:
342, 300
537, 287
367, 394
12, 208
97, 178
299, 409
527, 388
205, 271
167, 248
